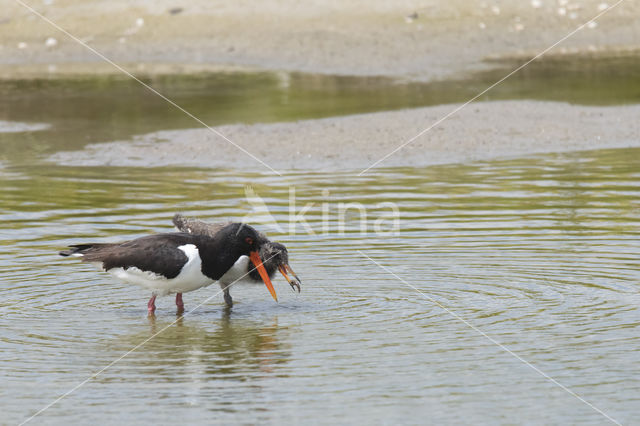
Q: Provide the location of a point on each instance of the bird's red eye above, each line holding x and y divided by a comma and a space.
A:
248, 240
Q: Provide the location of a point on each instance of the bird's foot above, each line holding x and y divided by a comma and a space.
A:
227, 298
179, 303
151, 306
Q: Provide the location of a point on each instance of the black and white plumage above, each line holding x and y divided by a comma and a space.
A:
274, 255
180, 262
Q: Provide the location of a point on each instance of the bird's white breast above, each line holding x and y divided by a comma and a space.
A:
190, 277
238, 272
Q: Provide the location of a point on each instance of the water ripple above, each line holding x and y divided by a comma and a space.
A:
540, 254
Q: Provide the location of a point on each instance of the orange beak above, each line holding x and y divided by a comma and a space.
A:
293, 282
255, 258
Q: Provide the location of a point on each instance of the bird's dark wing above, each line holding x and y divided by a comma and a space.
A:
155, 253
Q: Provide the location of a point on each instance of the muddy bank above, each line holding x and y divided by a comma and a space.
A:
406, 38
481, 131
19, 127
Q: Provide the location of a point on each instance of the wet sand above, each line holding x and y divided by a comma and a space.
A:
406, 38
483, 131
18, 127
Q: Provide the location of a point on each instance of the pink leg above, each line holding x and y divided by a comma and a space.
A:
151, 306
179, 302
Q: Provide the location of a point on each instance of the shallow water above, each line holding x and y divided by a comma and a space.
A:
107, 108
541, 254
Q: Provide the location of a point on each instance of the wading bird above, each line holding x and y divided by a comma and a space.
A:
180, 262
275, 256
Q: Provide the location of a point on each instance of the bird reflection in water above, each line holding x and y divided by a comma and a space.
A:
235, 349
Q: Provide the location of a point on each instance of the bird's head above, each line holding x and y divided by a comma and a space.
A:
275, 257
249, 242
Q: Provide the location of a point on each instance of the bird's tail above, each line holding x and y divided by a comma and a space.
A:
79, 249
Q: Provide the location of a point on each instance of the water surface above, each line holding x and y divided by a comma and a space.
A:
541, 254
82, 110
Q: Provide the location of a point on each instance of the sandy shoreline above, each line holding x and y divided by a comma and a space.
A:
405, 38
482, 131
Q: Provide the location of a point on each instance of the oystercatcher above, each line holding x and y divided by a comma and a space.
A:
180, 262
274, 255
